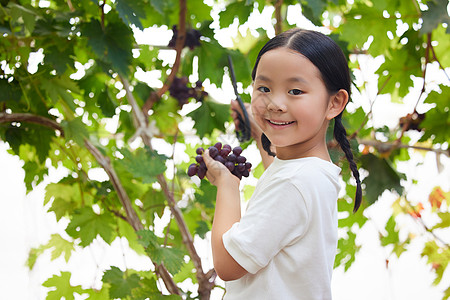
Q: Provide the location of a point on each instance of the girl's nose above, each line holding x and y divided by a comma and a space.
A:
276, 105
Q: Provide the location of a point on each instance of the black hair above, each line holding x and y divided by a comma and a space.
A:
326, 55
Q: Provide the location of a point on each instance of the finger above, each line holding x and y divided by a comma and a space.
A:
209, 161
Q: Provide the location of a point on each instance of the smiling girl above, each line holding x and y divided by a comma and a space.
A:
283, 247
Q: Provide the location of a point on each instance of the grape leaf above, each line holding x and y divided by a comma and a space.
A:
60, 57
445, 220
63, 287
86, 225
208, 116
26, 14
121, 283
144, 164
238, 9
59, 247
435, 15
75, 130
346, 251
211, 61
381, 177
437, 120
171, 257
11, 91
130, 11
206, 194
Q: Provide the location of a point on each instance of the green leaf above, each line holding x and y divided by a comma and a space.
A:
75, 130
381, 177
346, 251
60, 57
59, 247
212, 58
130, 11
62, 286
435, 15
445, 220
202, 228
171, 257
206, 194
238, 9
86, 225
437, 120
11, 91
144, 163
313, 10
106, 103
208, 116
121, 283
112, 44
26, 14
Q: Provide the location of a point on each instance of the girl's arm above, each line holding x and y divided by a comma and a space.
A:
256, 131
228, 212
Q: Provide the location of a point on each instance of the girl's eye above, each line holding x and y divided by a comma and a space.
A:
263, 89
295, 92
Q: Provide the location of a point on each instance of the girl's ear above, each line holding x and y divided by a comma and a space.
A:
337, 103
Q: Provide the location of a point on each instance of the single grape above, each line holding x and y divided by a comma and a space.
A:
218, 145
192, 170
225, 151
245, 173
241, 159
231, 157
220, 159
229, 165
199, 158
237, 151
226, 146
248, 165
200, 150
201, 172
213, 151
237, 173
241, 167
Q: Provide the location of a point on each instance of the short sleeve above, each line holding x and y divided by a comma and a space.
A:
276, 218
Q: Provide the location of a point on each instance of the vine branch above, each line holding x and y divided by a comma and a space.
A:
278, 18
31, 118
384, 147
179, 45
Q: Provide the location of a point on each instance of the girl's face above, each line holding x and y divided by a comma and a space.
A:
291, 104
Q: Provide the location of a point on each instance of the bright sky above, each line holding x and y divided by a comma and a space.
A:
24, 223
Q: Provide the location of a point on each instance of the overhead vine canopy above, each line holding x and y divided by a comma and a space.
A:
69, 69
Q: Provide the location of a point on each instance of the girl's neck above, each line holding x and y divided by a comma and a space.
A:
303, 150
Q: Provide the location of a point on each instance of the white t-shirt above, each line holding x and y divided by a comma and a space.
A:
287, 237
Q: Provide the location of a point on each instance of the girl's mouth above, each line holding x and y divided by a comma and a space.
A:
280, 123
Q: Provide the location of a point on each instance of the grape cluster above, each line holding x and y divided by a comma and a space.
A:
180, 91
192, 39
231, 158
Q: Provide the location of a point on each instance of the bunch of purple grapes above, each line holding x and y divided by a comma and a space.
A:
192, 39
180, 91
231, 158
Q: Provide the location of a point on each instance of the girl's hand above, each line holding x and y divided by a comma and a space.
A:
217, 172
235, 109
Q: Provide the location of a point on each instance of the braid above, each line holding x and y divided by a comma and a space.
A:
340, 135
266, 144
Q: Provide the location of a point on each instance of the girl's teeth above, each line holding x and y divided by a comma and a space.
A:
282, 123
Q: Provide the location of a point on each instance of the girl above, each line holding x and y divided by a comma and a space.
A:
284, 245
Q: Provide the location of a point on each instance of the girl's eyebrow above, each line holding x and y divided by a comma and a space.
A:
292, 79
